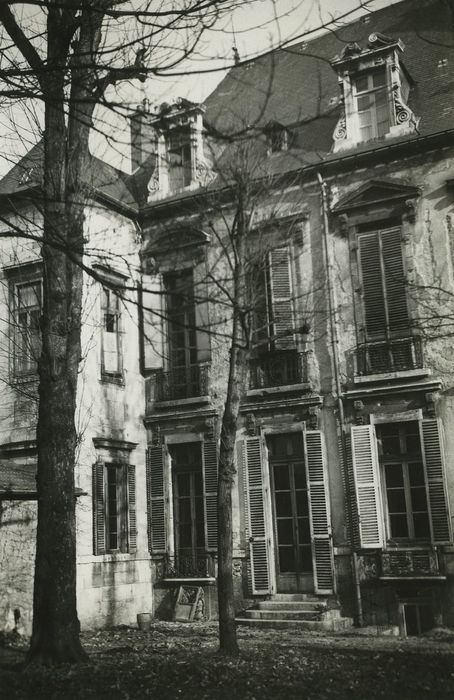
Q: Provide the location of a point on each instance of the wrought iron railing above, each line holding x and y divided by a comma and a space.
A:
189, 567
410, 563
181, 383
382, 356
280, 368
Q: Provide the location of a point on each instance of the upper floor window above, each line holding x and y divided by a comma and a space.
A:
27, 303
179, 159
111, 361
372, 104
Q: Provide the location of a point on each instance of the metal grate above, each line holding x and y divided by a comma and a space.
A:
281, 368
389, 356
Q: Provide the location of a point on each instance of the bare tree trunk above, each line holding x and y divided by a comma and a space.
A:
55, 635
238, 372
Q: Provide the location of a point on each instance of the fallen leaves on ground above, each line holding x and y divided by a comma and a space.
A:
177, 660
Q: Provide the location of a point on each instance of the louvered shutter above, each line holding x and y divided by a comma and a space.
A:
320, 519
432, 442
253, 453
367, 486
383, 283
281, 293
131, 504
157, 531
151, 308
372, 284
210, 486
99, 512
393, 267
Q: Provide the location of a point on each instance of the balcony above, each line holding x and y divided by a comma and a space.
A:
187, 567
389, 357
278, 369
182, 384
421, 563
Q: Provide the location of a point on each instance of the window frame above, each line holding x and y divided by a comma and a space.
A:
403, 459
26, 280
192, 470
371, 92
105, 310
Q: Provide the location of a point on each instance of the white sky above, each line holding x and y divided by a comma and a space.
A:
254, 27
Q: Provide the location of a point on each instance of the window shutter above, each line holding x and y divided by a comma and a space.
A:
372, 284
432, 443
210, 495
320, 519
253, 454
132, 516
281, 298
150, 304
157, 532
396, 297
99, 513
383, 282
367, 486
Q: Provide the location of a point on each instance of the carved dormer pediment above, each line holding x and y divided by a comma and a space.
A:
376, 193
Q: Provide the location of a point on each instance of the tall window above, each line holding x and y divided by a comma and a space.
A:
114, 507
188, 503
182, 336
372, 104
179, 159
404, 480
27, 336
111, 364
383, 283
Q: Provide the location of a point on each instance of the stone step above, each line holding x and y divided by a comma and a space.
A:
297, 597
335, 625
310, 605
260, 614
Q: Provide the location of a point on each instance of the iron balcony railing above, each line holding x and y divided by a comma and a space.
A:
279, 368
189, 567
180, 383
382, 356
410, 563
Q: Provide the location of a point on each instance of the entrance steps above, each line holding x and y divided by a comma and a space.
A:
302, 611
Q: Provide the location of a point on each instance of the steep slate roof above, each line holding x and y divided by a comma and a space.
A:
298, 86
105, 180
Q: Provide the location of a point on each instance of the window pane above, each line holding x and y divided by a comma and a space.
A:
399, 525
421, 525
394, 475
302, 505
306, 559
361, 83
283, 503
285, 531
281, 478
183, 484
184, 511
416, 474
300, 476
418, 499
396, 501
304, 532
378, 78
286, 559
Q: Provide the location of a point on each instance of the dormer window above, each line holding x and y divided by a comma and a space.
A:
179, 159
374, 89
372, 104
277, 137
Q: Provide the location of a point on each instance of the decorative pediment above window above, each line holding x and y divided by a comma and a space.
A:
378, 199
374, 87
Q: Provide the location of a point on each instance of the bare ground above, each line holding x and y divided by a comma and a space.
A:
177, 660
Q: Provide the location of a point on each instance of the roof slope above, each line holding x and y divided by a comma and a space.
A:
297, 85
104, 178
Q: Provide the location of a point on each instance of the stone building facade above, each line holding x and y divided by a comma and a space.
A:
345, 467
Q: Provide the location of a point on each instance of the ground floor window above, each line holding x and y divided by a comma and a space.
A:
290, 503
418, 618
114, 507
404, 481
189, 521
